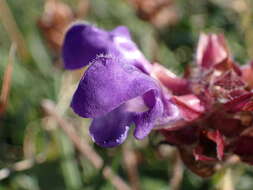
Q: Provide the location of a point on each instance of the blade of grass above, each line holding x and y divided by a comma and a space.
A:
130, 163
226, 181
69, 165
177, 173
246, 25
6, 85
21, 166
12, 29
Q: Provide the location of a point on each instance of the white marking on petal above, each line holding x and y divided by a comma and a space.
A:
132, 52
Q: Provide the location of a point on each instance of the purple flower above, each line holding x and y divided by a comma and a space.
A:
117, 90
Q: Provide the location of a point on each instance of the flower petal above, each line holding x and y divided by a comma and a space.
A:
247, 73
145, 121
84, 42
211, 50
107, 84
121, 31
111, 129
172, 118
190, 106
199, 155
240, 103
218, 139
205, 150
177, 85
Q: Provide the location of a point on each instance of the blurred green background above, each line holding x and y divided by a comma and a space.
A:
38, 155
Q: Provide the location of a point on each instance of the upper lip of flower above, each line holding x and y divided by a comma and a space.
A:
83, 42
